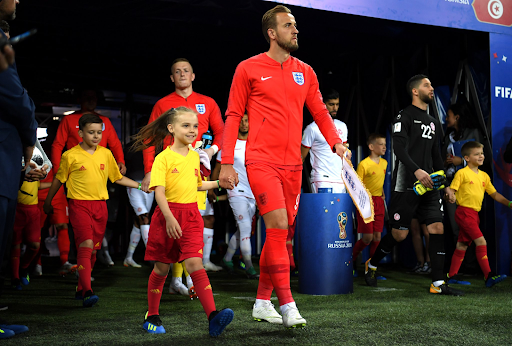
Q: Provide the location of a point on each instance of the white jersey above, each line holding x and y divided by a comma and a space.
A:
243, 188
326, 164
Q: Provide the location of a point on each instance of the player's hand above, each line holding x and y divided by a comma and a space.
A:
210, 153
122, 168
424, 178
6, 57
453, 160
48, 208
27, 155
231, 180
145, 182
212, 198
349, 155
173, 227
340, 149
35, 173
227, 172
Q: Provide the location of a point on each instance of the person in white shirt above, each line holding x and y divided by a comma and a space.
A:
242, 203
326, 165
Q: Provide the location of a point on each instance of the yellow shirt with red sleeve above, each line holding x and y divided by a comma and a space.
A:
67, 137
208, 114
470, 187
27, 194
178, 174
86, 174
373, 175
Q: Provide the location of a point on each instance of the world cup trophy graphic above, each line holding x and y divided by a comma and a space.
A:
342, 223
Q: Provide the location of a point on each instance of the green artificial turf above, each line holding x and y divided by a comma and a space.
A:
399, 312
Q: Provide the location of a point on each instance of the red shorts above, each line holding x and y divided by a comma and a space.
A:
60, 209
163, 249
469, 224
26, 227
89, 220
275, 188
378, 224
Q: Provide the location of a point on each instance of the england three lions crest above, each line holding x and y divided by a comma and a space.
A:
298, 77
200, 107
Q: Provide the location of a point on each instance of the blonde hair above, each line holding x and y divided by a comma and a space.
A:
269, 19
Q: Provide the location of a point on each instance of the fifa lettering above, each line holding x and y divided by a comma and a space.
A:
503, 92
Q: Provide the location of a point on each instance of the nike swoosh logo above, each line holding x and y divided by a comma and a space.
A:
265, 78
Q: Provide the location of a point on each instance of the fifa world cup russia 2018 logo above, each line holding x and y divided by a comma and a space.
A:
342, 223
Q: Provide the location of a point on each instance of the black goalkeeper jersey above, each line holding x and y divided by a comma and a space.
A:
416, 138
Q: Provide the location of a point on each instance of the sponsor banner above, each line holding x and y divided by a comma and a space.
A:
360, 195
501, 104
481, 15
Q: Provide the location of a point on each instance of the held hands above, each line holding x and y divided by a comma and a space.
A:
145, 182
36, 174
228, 178
450, 195
172, 227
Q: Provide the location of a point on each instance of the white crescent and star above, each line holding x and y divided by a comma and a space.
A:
495, 9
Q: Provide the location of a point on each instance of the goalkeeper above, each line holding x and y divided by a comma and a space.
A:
416, 147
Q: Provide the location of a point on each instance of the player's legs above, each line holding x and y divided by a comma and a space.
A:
32, 237
277, 193
141, 203
289, 244
417, 243
401, 209
209, 221
152, 322
17, 237
243, 211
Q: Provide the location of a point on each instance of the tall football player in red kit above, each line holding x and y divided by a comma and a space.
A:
273, 87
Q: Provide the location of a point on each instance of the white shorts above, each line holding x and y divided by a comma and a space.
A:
209, 209
337, 187
140, 201
243, 208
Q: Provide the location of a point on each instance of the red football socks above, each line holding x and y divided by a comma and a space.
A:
358, 247
457, 258
63, 244
277, 265
15, 263
28, 256
83, 260
483, 261
203, 290
155, 288
289, 246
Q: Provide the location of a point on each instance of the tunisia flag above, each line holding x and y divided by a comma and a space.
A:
497, 12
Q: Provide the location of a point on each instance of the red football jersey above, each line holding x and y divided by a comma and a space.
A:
208, 114
274, 95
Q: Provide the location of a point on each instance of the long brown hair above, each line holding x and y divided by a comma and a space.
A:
154, 133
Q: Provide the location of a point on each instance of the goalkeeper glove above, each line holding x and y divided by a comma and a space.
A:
438, 180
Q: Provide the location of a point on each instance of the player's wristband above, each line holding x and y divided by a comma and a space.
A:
140, 186
509, 203
217, 198
218, 184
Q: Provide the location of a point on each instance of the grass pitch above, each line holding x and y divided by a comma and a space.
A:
399, 312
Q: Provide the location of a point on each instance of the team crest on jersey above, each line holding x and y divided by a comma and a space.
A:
298, 77
200, 107
102, 166
396, 216
433, 126
197, 172
263, 198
